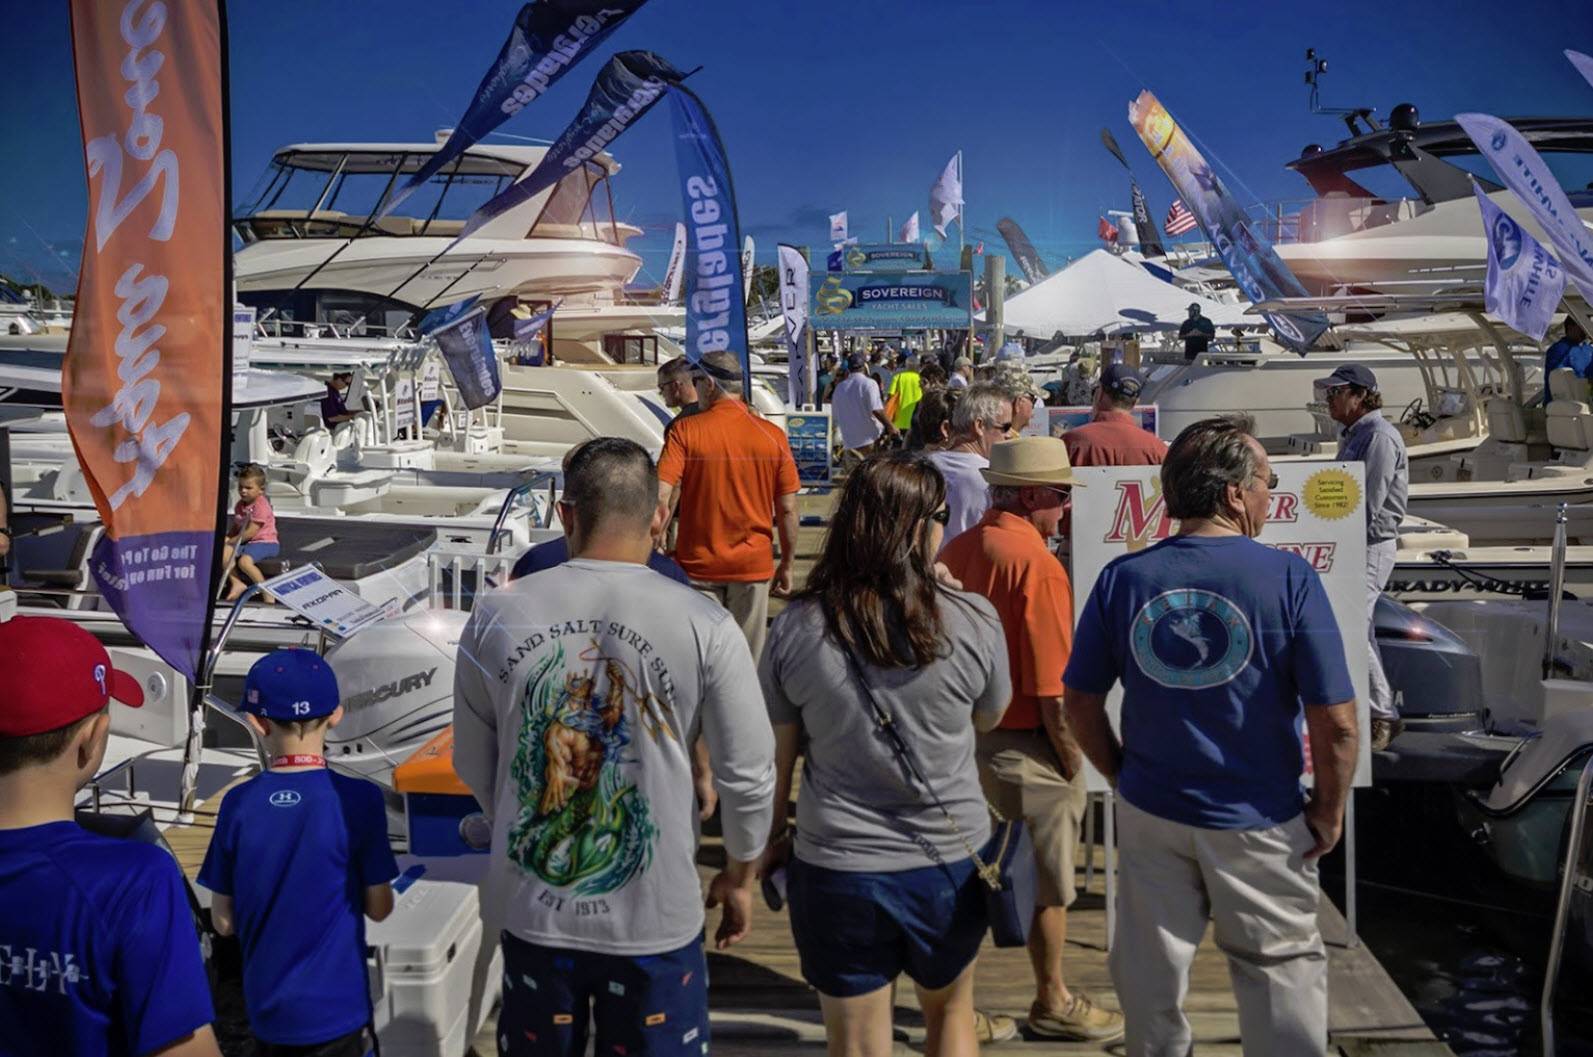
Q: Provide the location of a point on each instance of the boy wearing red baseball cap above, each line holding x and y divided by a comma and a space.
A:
98, 951
299, 860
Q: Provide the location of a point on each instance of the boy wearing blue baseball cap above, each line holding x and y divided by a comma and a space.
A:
299, 859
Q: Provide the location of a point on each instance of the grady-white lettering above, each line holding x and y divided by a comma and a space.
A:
564, 50
141, 296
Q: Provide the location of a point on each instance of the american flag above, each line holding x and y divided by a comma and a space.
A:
1179, 219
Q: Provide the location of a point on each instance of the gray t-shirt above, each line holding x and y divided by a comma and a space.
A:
577, 695
967, 494
858, 810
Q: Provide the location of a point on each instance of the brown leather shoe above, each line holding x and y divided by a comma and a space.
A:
1081, 1020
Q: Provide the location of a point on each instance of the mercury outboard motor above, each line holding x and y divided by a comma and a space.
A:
396, 678
1435, 676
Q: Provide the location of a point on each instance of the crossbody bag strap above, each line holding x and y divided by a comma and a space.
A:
887, 725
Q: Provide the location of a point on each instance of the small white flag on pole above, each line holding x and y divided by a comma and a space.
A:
748, 250
838, 226
909, 232
673, 274
945, 197
1525, 283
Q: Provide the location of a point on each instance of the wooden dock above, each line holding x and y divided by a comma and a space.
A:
760, 1004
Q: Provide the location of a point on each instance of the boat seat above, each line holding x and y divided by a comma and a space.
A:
1506, 420
1570, 425
1565, 384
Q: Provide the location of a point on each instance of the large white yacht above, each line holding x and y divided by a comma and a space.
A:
313, 252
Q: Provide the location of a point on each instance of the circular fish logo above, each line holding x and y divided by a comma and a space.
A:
285, 798
1506, 239
1191, 639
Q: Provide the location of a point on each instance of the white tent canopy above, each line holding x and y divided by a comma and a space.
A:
1104, 292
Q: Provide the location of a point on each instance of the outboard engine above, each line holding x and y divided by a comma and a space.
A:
1435, 676
397, 682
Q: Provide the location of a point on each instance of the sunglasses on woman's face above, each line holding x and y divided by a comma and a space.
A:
941, 516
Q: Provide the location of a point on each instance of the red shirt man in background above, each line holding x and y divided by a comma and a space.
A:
1114, 436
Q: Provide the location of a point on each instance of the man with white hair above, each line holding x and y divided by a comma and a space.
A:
982, 417
961, 373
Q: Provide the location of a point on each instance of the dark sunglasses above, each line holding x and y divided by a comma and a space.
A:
1005, 427
1271, 480
941, 516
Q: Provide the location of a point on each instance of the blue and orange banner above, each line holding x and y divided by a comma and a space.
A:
145, 381
1249, 257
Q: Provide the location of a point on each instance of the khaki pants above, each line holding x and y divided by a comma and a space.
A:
748, 604
1262, 895
1022, 779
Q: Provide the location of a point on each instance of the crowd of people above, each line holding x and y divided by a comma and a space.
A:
934, 672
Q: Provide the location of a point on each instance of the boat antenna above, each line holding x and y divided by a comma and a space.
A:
1315, 66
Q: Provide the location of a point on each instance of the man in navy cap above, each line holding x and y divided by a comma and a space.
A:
1369, 438
1114, 436
298, 861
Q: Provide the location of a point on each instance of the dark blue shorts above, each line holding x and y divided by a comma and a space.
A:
857, 932
259, 551
645, 1006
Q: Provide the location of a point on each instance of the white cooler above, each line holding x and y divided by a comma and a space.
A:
425, 962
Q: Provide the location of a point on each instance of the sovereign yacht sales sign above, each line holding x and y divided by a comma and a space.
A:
1318, 511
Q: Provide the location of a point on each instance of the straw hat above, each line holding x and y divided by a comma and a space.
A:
1030, 460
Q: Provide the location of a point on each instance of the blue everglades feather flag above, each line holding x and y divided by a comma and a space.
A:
548, 39
716, 315
625, 89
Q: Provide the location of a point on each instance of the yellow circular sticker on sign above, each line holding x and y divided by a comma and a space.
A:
1331, 494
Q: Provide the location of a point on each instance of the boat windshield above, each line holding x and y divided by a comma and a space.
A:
333, 194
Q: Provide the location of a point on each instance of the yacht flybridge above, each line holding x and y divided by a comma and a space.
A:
1350, 238
314, 250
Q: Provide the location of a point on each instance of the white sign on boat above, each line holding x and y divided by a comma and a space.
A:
323, 601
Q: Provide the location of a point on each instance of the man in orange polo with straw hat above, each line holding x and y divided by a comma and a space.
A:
1030, 765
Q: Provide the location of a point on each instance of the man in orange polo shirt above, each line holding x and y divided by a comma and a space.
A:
1030, 765
736, 484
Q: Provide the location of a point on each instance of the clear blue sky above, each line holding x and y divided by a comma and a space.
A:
834, 106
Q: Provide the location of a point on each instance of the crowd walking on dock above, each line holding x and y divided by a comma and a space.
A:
935, 677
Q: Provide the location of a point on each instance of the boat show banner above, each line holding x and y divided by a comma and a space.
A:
891, 301
1525, 282
465, 341
716, 313
1252, 261
1317, 512
625, 88
794, 308
879, 257
1528, 176
145, 382
548, 39
677, 256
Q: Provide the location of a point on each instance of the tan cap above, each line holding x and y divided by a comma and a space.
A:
1030, 461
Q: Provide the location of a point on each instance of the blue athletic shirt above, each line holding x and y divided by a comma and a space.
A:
98, 950
1218, 641
296, 851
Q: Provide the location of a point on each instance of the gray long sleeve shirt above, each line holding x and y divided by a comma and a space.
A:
1376, 442
578, 693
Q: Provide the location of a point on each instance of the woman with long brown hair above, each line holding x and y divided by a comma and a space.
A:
882, 881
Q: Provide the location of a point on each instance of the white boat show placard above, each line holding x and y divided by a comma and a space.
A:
1317, 512
323, 601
